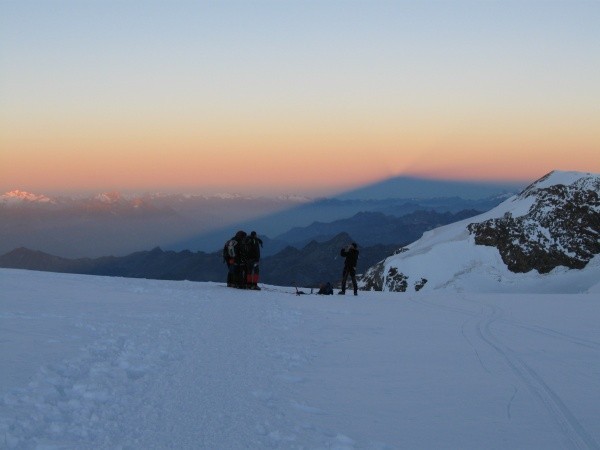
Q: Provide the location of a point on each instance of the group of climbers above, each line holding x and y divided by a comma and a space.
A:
242, 255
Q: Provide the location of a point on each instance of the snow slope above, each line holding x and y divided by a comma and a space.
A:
92, 362
449, 258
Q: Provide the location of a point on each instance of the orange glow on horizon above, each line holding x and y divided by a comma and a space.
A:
282, 155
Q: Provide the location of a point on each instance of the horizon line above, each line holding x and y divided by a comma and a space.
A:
262, 190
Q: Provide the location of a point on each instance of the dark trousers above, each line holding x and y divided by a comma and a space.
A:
231, 275
252, 272
240, 275
352, 272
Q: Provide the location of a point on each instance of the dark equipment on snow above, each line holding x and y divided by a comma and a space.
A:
325, 289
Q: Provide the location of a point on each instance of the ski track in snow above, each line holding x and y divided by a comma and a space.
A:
576, 433
152, 365
482, 322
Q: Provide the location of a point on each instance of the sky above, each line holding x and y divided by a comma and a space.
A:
293, 96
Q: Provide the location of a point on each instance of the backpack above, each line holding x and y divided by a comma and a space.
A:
326, 289
251, 248
231, 247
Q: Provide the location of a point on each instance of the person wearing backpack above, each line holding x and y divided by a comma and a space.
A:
351, 254
240, 260
229, 259
252, 246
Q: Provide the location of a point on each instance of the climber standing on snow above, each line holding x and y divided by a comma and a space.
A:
252, 245
235, 257
351, 254
229, 252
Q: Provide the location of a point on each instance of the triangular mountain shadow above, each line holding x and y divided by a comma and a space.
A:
422, 188
397, 197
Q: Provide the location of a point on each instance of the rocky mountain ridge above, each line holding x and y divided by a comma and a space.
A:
561, 227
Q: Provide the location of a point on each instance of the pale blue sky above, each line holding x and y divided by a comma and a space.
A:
372, 66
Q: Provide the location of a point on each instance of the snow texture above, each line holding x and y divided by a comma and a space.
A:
113, 363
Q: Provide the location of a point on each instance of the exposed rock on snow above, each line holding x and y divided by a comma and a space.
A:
551, 227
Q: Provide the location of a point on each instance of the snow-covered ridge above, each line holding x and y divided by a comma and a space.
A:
579, 180
519, 205
528, 243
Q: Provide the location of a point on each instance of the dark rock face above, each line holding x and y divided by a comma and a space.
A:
562, 228
420, 284
372, 280
396, 281
375, 279
393, 280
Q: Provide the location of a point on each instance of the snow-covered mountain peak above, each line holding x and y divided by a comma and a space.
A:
18, 196
552, 227
578, 180
109, 197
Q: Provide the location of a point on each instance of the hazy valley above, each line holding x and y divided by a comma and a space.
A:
112, 234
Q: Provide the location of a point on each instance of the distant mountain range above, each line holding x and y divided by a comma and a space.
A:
331, 210
372, 228
117, 224
306, 256
424, 188
315, 263
546, 239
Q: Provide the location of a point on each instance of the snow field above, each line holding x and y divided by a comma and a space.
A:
92, 362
